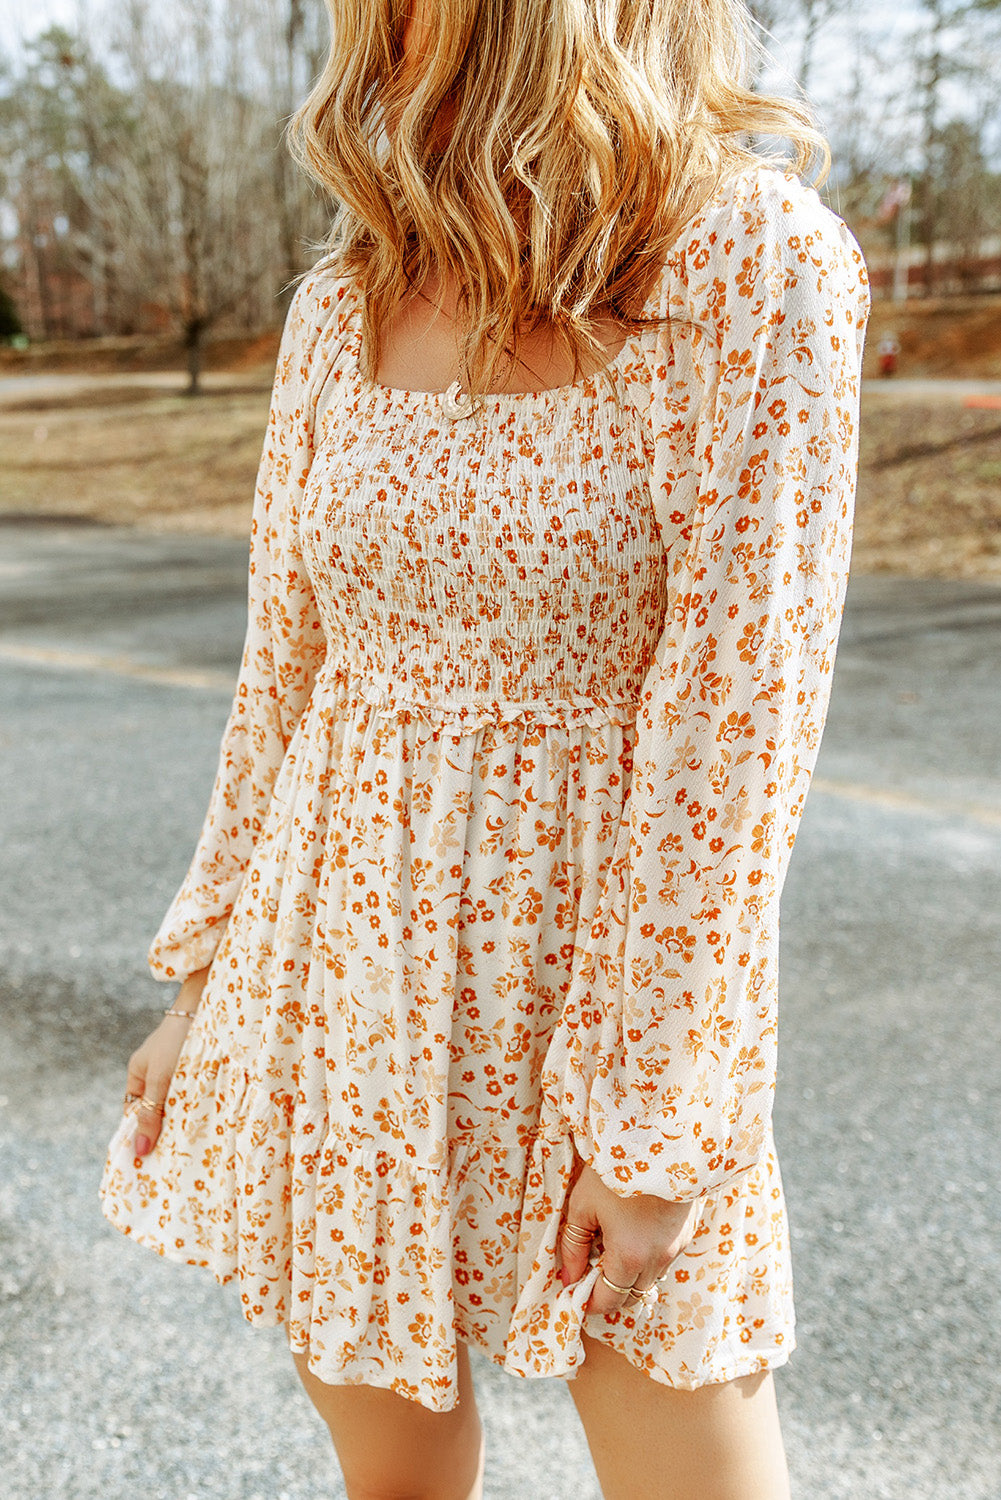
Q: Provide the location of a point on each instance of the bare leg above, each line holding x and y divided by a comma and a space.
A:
651, 1442
391, 1448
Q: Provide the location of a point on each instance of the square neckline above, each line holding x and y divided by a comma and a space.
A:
405, 396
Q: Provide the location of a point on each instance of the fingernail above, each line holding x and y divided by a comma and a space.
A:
142, 1145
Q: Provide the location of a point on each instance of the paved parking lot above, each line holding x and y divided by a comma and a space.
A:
122, 1376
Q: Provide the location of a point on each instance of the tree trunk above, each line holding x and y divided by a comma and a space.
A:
194, 347
929, 112
811, 19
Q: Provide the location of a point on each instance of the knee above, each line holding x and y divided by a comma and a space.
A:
428, 1476
375, 1480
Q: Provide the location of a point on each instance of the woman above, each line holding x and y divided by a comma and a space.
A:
475, 1038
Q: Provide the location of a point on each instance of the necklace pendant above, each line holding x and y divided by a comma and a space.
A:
456, 402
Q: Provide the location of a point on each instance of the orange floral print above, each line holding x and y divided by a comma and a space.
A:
490, 874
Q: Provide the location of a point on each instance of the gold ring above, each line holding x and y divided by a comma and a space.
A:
151, 1104
623, 1291
578, 1236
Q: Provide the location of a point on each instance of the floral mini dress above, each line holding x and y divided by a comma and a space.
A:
490, 875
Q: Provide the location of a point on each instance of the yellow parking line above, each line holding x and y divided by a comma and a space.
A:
857, 791
118, 666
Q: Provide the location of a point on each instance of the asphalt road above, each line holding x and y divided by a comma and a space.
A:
122, 1376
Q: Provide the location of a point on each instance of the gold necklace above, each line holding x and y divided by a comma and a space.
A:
457, 402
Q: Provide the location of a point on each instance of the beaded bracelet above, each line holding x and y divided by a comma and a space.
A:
188, 1014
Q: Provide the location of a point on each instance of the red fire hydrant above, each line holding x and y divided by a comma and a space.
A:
889, 351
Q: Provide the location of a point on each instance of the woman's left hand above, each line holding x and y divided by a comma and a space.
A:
639, 1239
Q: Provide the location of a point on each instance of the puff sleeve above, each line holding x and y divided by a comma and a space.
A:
662, 1064
283, 650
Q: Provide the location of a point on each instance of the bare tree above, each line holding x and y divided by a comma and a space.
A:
770, 16
159, 176
294, 39
951, 50
799, 22
814, 15
190, 196
38, 124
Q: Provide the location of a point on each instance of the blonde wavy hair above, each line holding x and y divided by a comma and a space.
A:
586, 134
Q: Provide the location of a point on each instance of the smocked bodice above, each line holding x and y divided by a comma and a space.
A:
507, 564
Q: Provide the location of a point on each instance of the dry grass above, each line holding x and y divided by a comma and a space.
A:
136, 456
950, 337
929, 500
929, 492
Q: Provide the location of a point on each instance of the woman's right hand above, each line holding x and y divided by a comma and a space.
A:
152, 1065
